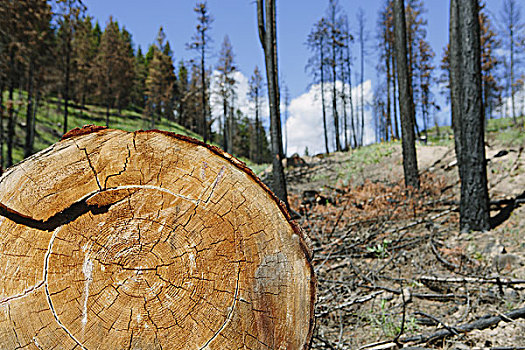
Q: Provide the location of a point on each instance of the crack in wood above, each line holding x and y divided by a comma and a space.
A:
230, 314
152, 187
66, 216
90, 165
77, 209
121, 171
34, 341
23, 294
215, 183
46, 285
14, 326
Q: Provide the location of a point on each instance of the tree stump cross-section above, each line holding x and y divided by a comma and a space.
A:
147, 240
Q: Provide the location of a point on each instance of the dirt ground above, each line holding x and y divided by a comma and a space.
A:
393, 268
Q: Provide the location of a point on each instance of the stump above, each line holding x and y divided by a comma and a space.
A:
147, 240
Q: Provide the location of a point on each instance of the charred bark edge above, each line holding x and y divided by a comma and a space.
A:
88, 129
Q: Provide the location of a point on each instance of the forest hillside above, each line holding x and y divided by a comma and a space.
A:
393, 267
49, 122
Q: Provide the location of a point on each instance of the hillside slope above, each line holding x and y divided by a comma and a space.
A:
393, 263
50, 118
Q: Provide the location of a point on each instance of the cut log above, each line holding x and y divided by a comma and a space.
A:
148, 240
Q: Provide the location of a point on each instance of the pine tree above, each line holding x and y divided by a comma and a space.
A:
513, 32
317, 43
70, 12
154, 88
11, 20
113, 68
138, 93
85, 46
362, 38
346, 76
425, 81
415, 33
195, 102
183, 95
37, 52
161, 80
226, 81
126, 69
200, 43
419, 58
255, 94
490, 42
5, 27
386, 41
335, 42
489, 63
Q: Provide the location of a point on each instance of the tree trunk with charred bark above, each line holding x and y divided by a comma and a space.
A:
455, 78
323, 104
28, 147
67, 82
467, 114
148, 240
257, 131
405, 98
268, 37
11, 123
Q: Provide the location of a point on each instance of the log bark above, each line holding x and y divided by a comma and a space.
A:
150, 240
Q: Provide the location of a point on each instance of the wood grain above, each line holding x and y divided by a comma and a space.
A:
147, 240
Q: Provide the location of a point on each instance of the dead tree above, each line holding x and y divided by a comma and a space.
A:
151, 240
268, 36
467, 113
405, 97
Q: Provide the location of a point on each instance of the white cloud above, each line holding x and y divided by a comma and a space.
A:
305, 121
242, 102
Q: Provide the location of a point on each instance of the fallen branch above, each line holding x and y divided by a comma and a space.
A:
438, 321
379, 346
437, 297
500, 281
441, 259
359, 300
481, 323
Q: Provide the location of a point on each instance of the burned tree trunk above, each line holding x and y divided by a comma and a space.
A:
468, 115
266, 21
117, 240
406, 103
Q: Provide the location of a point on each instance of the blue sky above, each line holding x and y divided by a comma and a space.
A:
237, 19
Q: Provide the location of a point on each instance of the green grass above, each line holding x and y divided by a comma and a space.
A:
50, 118
502, 129
502, 124
507, 131
360, 158
256, 168
444, 138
